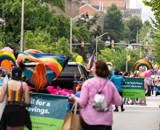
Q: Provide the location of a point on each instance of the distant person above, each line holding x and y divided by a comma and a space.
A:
15, 116
3, 73
118, 80
114, 71
1, 78
93, 119
142, 101
126, 74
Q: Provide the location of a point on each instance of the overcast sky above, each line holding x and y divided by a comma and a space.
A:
146, 11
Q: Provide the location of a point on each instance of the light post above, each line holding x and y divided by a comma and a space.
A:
137, 38
71, 19
71, 36
137, 34
126, 59
97, 37
22, 26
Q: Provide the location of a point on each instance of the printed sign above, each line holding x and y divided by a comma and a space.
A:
133, 88
47, 111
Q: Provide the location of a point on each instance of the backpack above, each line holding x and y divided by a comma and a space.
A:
100, 103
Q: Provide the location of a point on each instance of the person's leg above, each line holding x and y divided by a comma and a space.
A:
109, 128
122, 109
152, 89
85, 125
140, 100
124, 100
116, 109
10, 128
19, 128
95, 127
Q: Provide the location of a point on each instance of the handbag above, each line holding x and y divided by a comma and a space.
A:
72, 121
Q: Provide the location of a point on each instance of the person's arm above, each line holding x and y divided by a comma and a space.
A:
2, 93
83, 97
145, 83
123, 81
28, 73
26, 93
117, 99
50, 76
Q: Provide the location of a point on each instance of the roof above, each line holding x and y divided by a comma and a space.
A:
108, 3
96, 7
93, 7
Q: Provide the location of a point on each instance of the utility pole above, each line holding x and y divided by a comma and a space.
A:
22, 26
137, 34
97, 37
71, 36
96, 46
126, 59
71, 20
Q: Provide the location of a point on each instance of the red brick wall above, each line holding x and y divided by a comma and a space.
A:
88, 9
71, 11
106, 3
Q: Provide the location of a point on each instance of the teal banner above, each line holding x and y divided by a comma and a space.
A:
47, 111
133, 88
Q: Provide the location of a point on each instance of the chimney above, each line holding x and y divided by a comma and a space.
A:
99, 6
102, 7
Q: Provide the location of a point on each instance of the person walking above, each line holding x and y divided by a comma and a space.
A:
118, 80
91, 118
15, 116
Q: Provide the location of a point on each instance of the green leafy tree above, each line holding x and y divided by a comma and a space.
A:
39, 40
118, 57
132, 24
144, 30
93, 32
37, 16
155, 5
156, 48
113, 23
126, 34
62, 47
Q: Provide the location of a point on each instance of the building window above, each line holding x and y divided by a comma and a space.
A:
77, 6
68, 4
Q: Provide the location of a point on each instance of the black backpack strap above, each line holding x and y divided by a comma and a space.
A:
103, 87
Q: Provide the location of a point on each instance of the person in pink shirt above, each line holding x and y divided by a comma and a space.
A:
92, 119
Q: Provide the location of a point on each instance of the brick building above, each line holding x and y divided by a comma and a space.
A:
107, 3
92, 10
128, 13
72, 8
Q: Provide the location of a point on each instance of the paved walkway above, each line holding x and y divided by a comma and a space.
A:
137, 117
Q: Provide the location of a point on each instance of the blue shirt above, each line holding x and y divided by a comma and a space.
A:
112, 72
117, 80
49, 75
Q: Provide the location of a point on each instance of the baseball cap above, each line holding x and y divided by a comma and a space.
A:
16, 73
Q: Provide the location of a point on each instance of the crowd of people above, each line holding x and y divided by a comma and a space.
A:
15, 116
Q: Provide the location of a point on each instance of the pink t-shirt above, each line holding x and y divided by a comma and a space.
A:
89, 90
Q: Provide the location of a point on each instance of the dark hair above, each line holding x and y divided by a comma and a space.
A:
115, 69
102, 69
116, 72
126, 74
0, 71
120, 74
